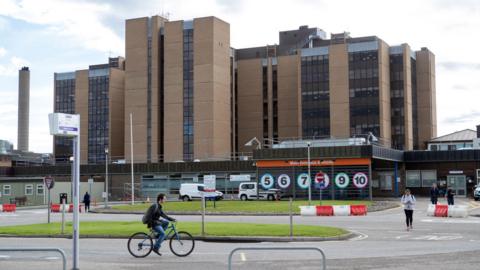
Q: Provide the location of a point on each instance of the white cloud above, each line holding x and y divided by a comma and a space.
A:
79, 21
11, 67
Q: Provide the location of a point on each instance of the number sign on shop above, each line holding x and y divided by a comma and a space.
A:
322, 180
342, 180
283, 181
360, 180
267, 181
303, 180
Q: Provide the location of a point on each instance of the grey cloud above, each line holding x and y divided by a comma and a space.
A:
463, 118
459, 65
470, 5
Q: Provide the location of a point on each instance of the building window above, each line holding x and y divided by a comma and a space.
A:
29, 189
429, 178
40, 189
188, 124
413, 179
364, 93
315, 96
386, 181
7, 189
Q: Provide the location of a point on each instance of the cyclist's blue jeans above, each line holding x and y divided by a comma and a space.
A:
160, 229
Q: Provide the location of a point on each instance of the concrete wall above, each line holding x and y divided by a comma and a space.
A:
173, 95
250, 102
426, 97
81, 107
384, 93
211, 41
339, 91
289, 97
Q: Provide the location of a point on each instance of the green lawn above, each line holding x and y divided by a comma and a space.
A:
125, 229
275, 207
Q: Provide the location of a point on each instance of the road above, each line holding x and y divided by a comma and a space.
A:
382, 243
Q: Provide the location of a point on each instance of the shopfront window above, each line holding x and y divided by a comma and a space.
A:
413, 179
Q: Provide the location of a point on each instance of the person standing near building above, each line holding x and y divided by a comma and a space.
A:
450, 195
86, 201
434, 194
408, 201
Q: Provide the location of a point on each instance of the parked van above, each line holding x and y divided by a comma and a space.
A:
249, 190
195, 191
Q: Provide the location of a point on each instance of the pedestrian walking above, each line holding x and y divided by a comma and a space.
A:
434, 194
408, 201
86, 201
450, 195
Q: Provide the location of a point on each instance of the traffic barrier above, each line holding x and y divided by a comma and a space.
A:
324, 210
358, 210
1, 207
308, 210
431, 210
336, 210
441, 210
55, 208
341, 210
458, 211
9, 208
70, 208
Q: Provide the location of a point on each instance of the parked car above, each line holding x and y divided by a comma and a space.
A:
195, 191
249, 190
476, 193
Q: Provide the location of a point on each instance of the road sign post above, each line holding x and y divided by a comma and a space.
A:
49, 183
68, 125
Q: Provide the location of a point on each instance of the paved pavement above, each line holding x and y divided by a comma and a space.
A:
382, 243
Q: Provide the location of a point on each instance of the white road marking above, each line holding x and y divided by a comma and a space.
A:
53, 258
4, 257
243, 257
452, 220
361, 236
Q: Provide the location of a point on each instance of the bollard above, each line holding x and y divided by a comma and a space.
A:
291, 217
63, 217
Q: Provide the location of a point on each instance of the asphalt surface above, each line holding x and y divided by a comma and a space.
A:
382, 243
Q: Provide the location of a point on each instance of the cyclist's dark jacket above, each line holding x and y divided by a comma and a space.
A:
155, 215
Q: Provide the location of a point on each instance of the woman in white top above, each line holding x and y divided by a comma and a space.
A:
408, 201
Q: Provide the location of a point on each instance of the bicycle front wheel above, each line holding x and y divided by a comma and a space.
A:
182, 244
140, 245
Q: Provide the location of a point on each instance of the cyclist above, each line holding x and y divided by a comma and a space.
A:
158, 225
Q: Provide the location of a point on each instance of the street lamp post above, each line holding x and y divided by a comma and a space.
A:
106, 177
309, 176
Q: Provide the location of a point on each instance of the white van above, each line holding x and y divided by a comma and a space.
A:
194, 191
249, 190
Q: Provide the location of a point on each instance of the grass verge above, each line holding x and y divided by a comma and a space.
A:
273, 207
125, 229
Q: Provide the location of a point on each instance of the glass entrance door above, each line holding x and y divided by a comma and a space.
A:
458, 183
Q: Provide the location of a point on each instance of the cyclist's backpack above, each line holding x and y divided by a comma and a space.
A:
147, 217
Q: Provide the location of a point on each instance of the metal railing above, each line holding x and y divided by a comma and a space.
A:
324, 263
62, 253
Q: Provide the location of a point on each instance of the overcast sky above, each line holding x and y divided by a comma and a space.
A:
61, 35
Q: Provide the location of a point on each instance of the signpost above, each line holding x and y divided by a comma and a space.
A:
322, 181
267, 181
49, 183
283, 181
68, 125
210, 181
342, 180
360, 180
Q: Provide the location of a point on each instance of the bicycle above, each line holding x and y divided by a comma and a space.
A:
181, 244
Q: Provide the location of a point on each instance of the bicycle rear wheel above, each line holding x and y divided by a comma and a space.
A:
140, 245
182, 244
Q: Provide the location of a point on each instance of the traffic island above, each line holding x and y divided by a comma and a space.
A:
246, 208
214, 231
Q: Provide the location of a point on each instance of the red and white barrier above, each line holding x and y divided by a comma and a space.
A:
335, 210
9, 207
443, 210
1, 207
